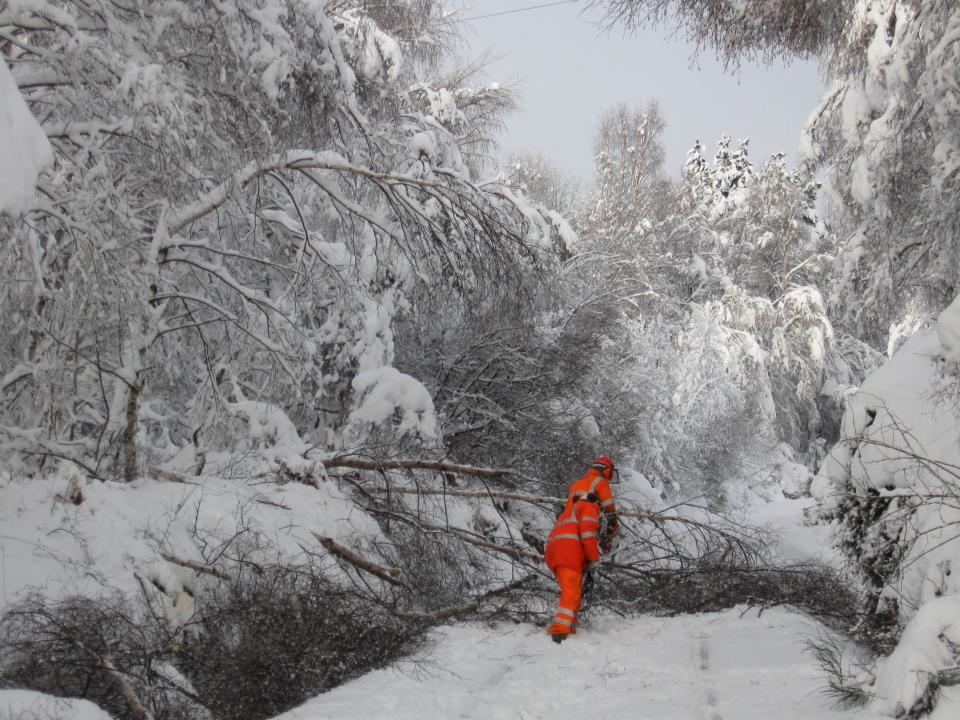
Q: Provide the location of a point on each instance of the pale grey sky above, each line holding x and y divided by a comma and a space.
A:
568, 71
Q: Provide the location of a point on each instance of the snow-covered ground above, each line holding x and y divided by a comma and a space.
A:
736, 664
733, 665
29, 705
797, 541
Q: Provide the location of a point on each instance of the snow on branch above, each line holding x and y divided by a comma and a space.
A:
502, 476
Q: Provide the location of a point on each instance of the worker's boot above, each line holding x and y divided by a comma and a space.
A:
559, 638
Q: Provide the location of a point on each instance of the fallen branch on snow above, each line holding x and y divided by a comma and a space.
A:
391, 575
472, 606
463, 535
155, 473
502, 476
195, 566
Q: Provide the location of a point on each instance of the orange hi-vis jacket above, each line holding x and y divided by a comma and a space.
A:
573, 540
593, 482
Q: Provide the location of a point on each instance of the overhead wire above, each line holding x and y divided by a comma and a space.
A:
520, 10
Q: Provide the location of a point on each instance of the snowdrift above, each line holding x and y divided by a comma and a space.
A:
24, 148
891, 486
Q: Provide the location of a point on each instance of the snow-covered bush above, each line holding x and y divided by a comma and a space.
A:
266, 641
891, 481
97, 649
281, 635
891, 487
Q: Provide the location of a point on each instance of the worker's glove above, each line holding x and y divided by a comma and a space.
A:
591, 564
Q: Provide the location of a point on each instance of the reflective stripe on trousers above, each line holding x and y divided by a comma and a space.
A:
565, 618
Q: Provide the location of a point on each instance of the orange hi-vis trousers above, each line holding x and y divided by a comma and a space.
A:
565, 618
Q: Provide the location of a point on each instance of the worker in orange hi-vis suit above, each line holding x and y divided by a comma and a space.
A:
572, 548
597, 481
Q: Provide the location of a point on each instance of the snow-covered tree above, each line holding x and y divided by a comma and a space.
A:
888, 132
751, 29
540, 180
244, 199
628, 165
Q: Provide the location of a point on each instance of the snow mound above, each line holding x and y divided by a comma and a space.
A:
386, 393
120, 532
899, 440
891, 483
26, 704
894, 417
930, 643
636, 487
24, 148
948, 331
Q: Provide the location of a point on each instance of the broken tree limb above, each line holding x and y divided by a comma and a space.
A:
137, 708
534, 541
102, 663
391, 575
271, 503
948, 677
482, 494
472, 606
467, 537
549, 500
664, 537
155, 473
195, 566
503, 549
502, 476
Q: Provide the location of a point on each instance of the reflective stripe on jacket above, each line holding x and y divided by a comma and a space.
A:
573, 540
593, 482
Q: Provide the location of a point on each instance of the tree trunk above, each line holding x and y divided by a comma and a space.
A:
130, 433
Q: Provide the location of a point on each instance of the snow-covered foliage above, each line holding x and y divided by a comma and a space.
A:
246, 197
628, 165
888, 134
538, 179
891, 487
738, 29
891, 481
716, 280
251, 259
889, 130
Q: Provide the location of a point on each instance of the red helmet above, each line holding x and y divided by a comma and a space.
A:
604, 465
